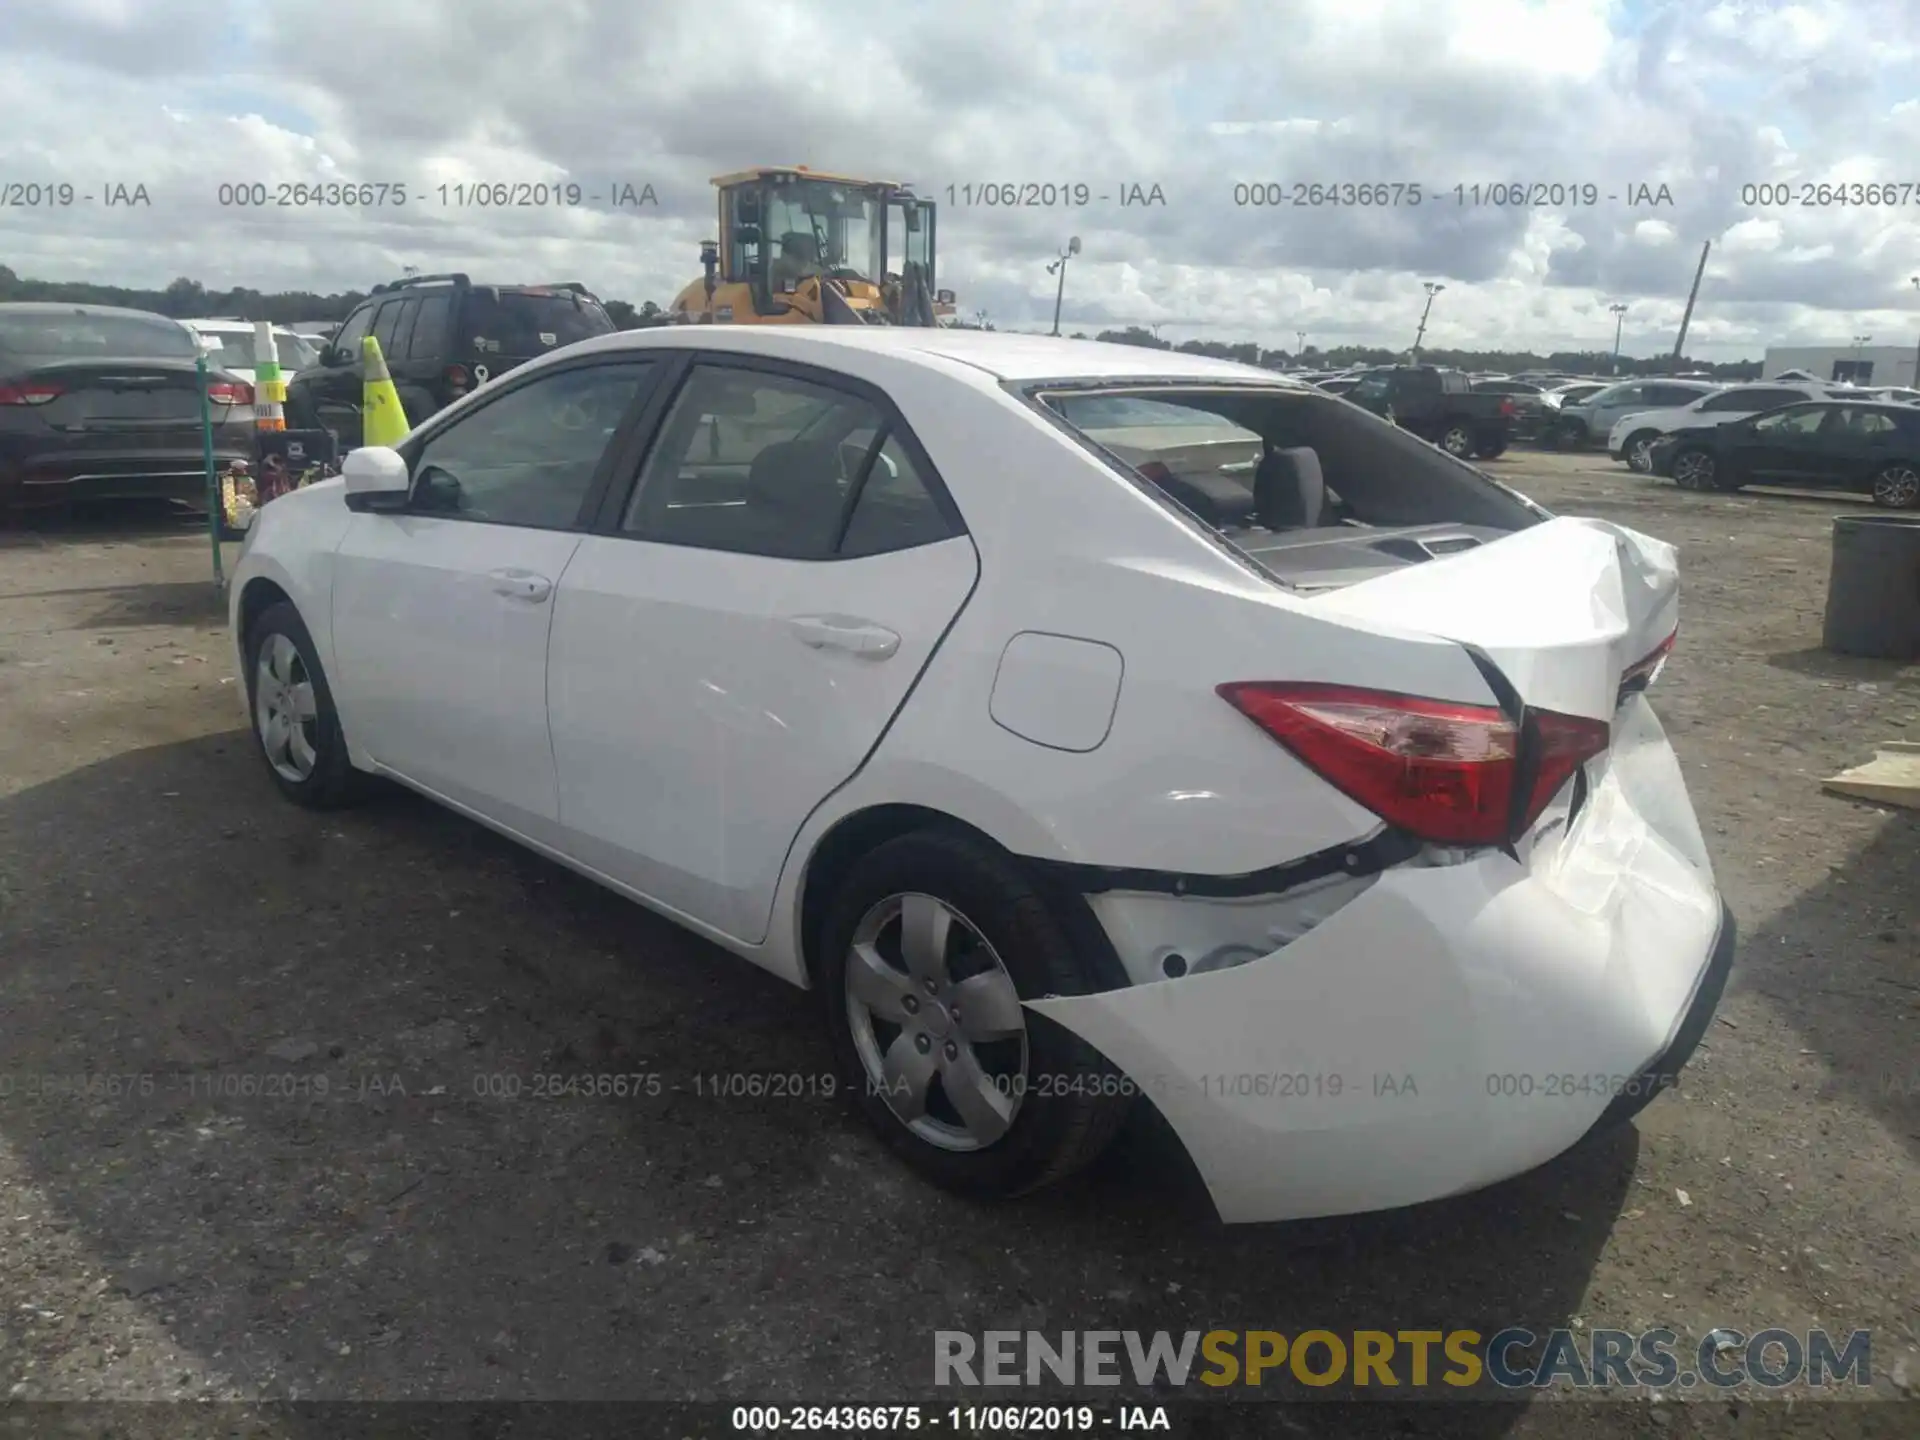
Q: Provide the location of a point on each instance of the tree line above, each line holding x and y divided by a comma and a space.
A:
187, 299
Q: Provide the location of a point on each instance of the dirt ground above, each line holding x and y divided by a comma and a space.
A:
221, 1230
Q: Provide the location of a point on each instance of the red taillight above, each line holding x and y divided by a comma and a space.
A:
457, 375
30, 392
1642, 673
1438, 770
230, 392
1507, 412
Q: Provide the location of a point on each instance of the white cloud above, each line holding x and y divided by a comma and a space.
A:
185, 97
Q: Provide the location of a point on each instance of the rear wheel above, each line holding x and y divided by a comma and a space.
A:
930, 945
1639, 451
1457, 441
1491, 447
1897, 487
1694, 470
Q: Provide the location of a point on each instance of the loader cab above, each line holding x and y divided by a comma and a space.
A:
777, 228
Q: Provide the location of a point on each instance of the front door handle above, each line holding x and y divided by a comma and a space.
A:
843, 632
521, 585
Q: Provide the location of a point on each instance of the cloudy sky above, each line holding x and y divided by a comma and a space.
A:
1195, 97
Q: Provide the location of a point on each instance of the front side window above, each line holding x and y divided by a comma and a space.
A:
1801, 420
349, 335
529, 456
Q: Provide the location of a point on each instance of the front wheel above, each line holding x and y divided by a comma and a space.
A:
1897, 487
1457, 441
295, 724
931, 944
1639, 451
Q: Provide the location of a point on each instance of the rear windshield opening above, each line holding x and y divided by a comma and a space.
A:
1222, 454
526, 323
82, 336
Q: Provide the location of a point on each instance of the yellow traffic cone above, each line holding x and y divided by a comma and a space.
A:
382, 420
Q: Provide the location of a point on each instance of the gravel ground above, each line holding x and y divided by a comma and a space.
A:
222, 1230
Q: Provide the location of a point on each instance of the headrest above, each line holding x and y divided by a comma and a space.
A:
1289, 492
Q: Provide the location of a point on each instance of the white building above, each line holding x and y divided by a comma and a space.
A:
1863, 365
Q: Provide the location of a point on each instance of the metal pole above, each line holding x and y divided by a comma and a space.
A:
213, 480
1915, 381
1619, 319
1686, 317
1059, 291
1418, 335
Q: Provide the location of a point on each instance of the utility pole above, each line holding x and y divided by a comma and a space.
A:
1853, 376
1619, 319
1059, 267
1433, 288
1687, 319
1300, 337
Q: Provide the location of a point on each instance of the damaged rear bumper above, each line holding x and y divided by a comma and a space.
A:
1450, 1026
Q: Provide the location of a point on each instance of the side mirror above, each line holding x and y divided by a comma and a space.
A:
376, 478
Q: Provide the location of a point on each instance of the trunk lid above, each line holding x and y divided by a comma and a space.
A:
136, 395
1565, 609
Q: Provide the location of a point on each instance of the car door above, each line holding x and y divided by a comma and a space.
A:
738, 633
441, 611
337, 386
1777, 448
1856, 442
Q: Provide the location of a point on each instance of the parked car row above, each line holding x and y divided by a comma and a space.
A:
1865, 446
99, 402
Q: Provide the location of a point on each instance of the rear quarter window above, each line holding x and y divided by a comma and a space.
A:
527, 323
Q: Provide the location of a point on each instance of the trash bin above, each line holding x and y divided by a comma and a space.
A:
1873, 593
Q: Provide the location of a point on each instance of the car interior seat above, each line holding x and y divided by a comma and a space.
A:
795, 493
1289, 490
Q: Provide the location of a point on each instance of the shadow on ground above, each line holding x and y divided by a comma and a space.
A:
332, 1172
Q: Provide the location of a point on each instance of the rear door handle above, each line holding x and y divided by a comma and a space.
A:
842, 632
521, 585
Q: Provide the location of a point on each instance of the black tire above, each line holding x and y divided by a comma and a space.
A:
1572, 437
1061, 1125
1682, 469
1892, 487
1491, 447
333, 782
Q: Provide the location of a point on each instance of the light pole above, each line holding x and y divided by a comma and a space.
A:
1853, 378
1619, 319
1059, 267
1433, 289
1915, 382
1300, 341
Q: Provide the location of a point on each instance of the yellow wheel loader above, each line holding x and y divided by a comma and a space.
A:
798, 247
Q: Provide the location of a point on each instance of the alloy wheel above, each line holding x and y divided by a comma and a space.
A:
1897, 487
1640, 455
1457, 442
937, 1022
1693, 470
283, 709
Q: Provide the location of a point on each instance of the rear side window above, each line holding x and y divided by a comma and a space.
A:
429, 327
524, 323
80, 335
765, 464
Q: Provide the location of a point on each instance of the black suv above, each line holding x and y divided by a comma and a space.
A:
441, 335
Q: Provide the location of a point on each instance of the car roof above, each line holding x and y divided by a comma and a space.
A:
1004, 356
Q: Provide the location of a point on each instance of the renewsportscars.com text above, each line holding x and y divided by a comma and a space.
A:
1509, 1359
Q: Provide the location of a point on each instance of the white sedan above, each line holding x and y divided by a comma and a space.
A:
1327, 812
